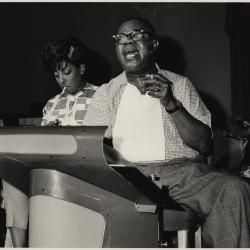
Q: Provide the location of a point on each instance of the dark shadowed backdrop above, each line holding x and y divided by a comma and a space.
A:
192, 38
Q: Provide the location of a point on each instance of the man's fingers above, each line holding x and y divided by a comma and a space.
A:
158, 77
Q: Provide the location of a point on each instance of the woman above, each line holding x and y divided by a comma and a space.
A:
65, 59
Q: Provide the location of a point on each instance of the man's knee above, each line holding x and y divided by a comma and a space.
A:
236, 187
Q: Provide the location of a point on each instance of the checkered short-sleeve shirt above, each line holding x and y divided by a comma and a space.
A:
64, 107
105, 102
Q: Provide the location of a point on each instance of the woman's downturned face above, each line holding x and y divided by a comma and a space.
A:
69, 76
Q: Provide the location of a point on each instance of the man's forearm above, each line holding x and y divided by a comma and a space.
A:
193, 132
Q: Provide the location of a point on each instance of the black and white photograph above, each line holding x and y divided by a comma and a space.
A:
124, 124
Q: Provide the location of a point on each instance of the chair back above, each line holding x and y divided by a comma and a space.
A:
30, 121
228, 151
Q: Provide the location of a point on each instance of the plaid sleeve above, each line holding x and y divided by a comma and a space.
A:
46, 111
188, 95
99, 112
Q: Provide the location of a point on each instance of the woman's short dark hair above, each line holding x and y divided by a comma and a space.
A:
68, 48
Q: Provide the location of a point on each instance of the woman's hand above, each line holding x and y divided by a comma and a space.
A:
55, 123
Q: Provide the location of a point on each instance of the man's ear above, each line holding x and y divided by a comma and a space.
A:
82, 69
155, 44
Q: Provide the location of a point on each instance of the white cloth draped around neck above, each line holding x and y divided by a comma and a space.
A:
138, 132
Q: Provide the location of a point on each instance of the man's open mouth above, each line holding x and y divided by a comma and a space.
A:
131, 54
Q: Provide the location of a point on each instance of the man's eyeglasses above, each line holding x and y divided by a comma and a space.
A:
135, 35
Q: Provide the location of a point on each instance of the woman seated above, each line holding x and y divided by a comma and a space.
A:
65, 59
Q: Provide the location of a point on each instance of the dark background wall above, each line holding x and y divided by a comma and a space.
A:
193, 42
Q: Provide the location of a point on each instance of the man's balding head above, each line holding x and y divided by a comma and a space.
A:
135, 45
143, 23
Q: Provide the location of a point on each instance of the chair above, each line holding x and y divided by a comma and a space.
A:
184, 223
171, 215
30, 121
229, 151
180, 219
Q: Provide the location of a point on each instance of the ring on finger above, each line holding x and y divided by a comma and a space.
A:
151, 76
156, 88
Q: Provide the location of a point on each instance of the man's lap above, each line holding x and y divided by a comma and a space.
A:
194, 183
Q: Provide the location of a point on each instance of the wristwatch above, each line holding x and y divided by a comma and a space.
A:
177, 107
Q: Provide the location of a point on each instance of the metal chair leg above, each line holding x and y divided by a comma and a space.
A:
198, 238
182, 236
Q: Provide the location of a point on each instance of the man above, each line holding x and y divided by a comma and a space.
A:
157, 117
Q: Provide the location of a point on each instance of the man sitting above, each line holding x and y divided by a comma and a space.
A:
157, 118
